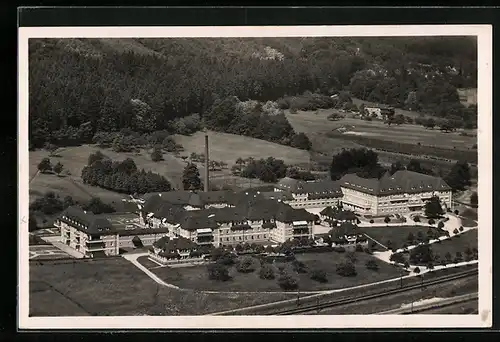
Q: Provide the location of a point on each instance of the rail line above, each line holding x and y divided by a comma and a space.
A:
345, 301
448, 303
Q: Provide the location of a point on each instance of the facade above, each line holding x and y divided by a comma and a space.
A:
314, 194
249, 218
404, 191
176, 250
98, 235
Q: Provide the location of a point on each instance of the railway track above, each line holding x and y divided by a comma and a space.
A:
448, 303
335, 303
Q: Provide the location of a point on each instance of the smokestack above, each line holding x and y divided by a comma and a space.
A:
206, 164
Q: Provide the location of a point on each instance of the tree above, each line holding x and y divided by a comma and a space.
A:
372, 265
387, 219
287, 281
191, 177
430, 123
51, 148
430, 265
448, 257
156, 155
68, 202
459, 176
440, 225
58, 168
301, 141
246, 265
266, 272
32, 223
346, 269
397, 258
218, 271
461, 228
319, 275
431, 221
97, 206
421, 254
433, 208
416, 218
406, 265
45, 165
455, 231
416, 270
474, 199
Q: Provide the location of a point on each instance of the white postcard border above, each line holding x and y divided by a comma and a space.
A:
483, 319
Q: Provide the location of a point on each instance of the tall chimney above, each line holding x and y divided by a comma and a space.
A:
206, 164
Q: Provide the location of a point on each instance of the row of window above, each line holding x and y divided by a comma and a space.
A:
246, 238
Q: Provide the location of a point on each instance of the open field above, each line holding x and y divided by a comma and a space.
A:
196, 277
458, 243
229, 147
397, 235
115, 287
326, 139
413, 114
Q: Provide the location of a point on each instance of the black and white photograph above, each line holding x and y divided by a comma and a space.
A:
209, 176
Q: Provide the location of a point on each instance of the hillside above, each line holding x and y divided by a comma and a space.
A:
94, 81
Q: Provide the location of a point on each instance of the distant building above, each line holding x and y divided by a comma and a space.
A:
336, 214
103, 235
347, 235
168, 250
314, 194
404, 191
381, 112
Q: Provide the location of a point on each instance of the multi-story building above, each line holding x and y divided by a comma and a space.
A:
347, 235
99, 235
253, 218
313, 194
404, 191
169, 250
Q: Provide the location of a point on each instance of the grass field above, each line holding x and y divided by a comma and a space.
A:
229, 147
115, 287
314, 124
397, 235
458, 243
196, 277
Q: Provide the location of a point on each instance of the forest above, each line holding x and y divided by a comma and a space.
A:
78, 87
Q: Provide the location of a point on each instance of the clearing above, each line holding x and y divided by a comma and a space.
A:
115, 287
397, 235
229, 147
196, 277
457, 243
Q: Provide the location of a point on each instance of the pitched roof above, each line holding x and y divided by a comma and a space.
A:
171, 245
290, 214
316, 189
402, 181
339, 214
184, 197
86, 221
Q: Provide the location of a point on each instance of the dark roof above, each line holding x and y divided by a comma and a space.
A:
171, 245
290, 214
339, 214
184, 197
86, 221
402, 181
344, 229
316, 189
143, 231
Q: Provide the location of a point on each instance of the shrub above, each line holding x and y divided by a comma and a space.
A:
416, 270
372, 265
461, 229
416, 218
246, 265
456, 212
440, 225
346, 269
397, 258
266, 272
455, 231
319, 275
218, 272
431, 221
288, 282
406, 265
371, 221
299, 266
430, 266
387, 219
352, 257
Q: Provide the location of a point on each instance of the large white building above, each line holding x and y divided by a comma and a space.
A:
309, 194
404, 191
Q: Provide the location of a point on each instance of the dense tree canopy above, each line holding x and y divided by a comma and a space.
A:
80, 86
362, 161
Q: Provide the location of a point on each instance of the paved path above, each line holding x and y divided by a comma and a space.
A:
133, 259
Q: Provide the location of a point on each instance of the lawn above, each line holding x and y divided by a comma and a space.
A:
398, 235
229, 147
115, 287
458, 243
196, 277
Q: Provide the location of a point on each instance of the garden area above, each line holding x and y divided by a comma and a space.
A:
312, 271
396, 237
459, 248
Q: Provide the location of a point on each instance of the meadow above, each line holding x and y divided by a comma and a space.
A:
115, 287
196, 277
